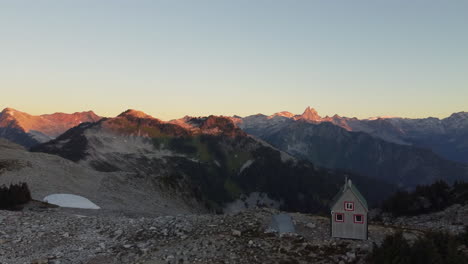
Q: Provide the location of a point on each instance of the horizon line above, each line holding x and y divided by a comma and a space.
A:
233, 115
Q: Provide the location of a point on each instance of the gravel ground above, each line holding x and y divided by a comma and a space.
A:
59, 235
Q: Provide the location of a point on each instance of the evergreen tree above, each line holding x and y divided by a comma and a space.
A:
432, 248
394, 250
13, 196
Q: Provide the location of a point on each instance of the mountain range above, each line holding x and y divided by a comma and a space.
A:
29, 130
288, 161
208, 158
447, 137
396, 150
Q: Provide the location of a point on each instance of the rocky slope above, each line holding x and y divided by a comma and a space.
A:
29, 130
332, 146
208, 158
79, 236
48, 174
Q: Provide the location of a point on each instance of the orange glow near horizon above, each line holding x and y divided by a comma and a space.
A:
171, 58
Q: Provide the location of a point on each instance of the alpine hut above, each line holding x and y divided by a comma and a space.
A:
349, 213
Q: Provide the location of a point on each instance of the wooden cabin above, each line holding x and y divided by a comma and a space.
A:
349, 213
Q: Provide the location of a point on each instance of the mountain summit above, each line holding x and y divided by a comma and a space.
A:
135, 114
310, 114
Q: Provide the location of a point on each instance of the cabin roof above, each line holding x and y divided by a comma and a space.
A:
348, 185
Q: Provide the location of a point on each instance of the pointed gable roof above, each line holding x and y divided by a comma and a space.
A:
349, 185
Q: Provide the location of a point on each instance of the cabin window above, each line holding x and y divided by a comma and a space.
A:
339, 217
349, 206
358, 219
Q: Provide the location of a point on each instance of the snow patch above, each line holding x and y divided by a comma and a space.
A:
70, 200
381, 117
246, 165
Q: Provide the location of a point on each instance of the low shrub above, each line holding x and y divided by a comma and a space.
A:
432, 248
426, 199
12, 197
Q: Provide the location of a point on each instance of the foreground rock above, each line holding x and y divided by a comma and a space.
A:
57, 235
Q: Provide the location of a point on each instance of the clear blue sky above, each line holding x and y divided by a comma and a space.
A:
172, 58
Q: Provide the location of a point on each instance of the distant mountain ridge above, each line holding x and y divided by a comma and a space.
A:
332, 143
448, 137
29, 130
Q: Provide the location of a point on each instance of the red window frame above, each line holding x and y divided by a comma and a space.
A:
362, 219
344, 205
342, 217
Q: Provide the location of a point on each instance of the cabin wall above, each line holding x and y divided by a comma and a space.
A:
349, 229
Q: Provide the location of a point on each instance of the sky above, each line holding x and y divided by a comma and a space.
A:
174, 58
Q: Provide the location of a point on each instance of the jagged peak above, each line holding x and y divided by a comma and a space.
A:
310, 110
135, 114
310, 114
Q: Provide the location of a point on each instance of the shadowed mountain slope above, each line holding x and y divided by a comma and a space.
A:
447, 137
208, 158
331, 146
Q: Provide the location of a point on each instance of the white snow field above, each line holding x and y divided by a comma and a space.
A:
70, 200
